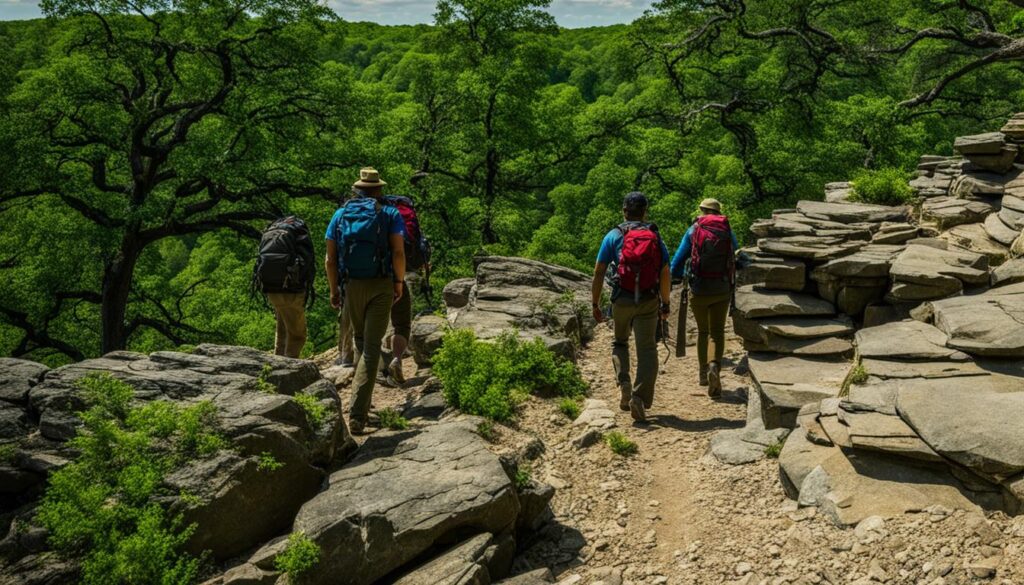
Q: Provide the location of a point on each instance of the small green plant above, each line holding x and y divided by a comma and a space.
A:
620, 444
772, 451
491, 378
391, 419
7, 453
190, 498
263, 383
523, 477
883, 187
486, 430
103, 508
570, 407
299, 556
859, 375
316, 412
267, 462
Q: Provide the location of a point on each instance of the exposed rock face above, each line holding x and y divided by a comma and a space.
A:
754, 303
473, 561
539, 300
226, 488
974, 238
1010, 273
786, 384
909, 340
946, 212
943, 272
772, 272
989, 143
989, 324
404, 494
851, 212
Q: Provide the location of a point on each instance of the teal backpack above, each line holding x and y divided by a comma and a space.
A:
365, 251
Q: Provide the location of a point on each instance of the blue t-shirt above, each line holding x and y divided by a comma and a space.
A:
392, 218
685, 249
611, 248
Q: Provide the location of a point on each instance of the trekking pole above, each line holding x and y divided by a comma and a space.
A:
684, 301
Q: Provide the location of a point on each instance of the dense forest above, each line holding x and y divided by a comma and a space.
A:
145, 144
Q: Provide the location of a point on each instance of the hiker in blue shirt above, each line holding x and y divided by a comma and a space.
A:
640, 299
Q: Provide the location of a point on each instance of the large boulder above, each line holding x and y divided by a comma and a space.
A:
539, 300
989, 324
480, 559
406, 494
426, 336
223, 490
821, 336
929, 272
988, 143
787, 383
772, 272
17, 377
974, 238
905, 340
458, 292
946, 212
1000, 231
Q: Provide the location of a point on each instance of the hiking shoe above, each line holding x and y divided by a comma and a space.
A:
714, 380
702, 377
357, 426
636, 409
624, 397
395, 372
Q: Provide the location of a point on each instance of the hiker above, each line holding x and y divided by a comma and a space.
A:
284, 273
366, 251
640, 300
705, 258
417, 258
346, 351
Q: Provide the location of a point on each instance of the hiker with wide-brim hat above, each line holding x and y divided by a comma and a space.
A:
640, 299
705, 258
366, 255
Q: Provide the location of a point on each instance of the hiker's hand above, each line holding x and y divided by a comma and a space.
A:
665, 309
336, 300
399, 286
598, 314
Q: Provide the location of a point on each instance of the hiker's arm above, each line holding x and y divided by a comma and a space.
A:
665, 291
331, 269
682, 254
600, 269
398, 262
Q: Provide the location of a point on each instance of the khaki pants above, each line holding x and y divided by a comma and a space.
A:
291, 323
368, 302
401, 314
710, 313
344, 334
642, 321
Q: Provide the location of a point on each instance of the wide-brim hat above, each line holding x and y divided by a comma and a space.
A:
369, 177
710, 205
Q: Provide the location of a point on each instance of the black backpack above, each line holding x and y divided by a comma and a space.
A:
285, 263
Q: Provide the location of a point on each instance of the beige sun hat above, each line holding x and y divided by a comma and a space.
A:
368, 177
710, 205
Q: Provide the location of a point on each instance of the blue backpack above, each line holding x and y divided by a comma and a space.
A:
365, 249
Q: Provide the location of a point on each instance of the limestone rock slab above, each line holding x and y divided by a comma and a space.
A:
989, 324
851, 212
946, 212
905, 340
754, 303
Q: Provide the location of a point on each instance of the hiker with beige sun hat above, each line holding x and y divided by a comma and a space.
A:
705, 258
366, 255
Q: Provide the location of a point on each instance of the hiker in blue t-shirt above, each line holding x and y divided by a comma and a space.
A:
640, 300
366, 253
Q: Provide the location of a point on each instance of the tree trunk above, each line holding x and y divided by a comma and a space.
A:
117, 284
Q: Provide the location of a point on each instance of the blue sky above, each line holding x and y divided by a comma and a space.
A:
569, 13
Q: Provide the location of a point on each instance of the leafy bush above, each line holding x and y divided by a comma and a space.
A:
492, 378
267, 462
316, 413
859, 375
570, 407
883, 187
299, 556
523, 478
620, 444
101, 508
391, 419
7, 452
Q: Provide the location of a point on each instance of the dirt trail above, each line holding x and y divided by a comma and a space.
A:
673, 514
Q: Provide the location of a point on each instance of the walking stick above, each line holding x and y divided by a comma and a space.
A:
684, 301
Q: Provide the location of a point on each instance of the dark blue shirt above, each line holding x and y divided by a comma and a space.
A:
684, 250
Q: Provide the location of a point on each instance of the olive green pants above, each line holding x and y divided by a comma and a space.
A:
368, 302
344, 334
642, 321
290, 312
710, 312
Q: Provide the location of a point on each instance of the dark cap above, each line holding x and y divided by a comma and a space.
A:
635, 202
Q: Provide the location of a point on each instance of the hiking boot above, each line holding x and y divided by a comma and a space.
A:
357, 426
395, 373
714, 380
702, 377
636, 409
345, 362
624, 396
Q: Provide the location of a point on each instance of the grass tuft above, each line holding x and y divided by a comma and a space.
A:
299, 556
392, 419
620, 444
570, 407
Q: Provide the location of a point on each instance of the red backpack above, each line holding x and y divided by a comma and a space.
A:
417, 248
711, 257
640, 262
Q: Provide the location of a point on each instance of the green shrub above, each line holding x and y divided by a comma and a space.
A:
316, 412
299, 556
486, 430
620, 444
883, 187
492, 378
391, 419
859, 375
773, 450
523, 478
263, 380
267, 462
101, 508
570, 407
7, 453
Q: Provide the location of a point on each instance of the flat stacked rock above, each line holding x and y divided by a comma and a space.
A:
786, 383
838, 192
772, 272
989, 151
989, 324
975, 238
1014, 128
935, 174
853, 282
925, 272
943, 213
